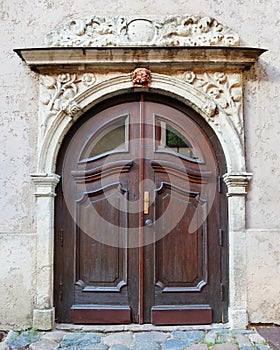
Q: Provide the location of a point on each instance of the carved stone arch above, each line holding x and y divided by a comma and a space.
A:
202, 103
194, 59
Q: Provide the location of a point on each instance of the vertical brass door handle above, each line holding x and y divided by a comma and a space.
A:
146, 202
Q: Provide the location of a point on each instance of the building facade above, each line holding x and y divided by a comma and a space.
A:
205, 74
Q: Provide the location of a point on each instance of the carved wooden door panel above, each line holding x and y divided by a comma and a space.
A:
137, 220
184, 285
96, 273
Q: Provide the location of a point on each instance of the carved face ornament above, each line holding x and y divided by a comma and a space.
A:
141, 77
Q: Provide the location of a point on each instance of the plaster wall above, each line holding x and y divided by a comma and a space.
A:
24, 24
262, 292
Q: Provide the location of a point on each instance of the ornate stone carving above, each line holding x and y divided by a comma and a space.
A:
58, 93
141, 77
72, 108
224, 89
211, 108
130, 31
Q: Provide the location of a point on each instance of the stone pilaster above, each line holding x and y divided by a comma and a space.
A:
236, 192
43, 316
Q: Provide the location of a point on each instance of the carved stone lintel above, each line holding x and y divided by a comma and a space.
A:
172, 30
141, 77
237, 183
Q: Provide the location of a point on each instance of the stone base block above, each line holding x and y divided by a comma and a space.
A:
43, 319
238, 319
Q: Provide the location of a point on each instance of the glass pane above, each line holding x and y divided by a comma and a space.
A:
170, 139
112, 138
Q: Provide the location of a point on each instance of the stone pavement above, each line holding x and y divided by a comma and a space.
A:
110, 339
272, 334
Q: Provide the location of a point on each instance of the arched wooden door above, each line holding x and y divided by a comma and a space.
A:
139, 235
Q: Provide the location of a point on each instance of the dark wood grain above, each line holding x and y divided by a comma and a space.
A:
175, 315
175, 278
95, 314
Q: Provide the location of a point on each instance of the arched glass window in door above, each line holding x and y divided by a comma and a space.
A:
170, 139
112, 138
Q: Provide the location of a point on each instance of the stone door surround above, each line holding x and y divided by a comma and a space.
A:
193, 59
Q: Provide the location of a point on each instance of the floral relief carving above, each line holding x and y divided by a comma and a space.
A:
224, 89
72, 108
211, 108
88, 79
168, 31
59, 93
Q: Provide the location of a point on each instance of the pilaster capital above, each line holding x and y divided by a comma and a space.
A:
237, 182
45, 184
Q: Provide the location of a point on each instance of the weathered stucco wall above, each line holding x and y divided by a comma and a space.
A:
263, 269
24, 24
17, 280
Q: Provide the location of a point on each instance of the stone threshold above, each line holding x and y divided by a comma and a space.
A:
136, 328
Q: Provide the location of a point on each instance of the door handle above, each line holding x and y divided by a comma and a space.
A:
146, 202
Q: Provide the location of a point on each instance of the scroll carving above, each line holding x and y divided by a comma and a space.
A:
224, 89
60, 91
119, 31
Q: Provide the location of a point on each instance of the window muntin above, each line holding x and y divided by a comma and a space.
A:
170, 139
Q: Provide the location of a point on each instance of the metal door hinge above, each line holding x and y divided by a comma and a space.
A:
221, 237
220, 184
61, 237
222, 292
60, 294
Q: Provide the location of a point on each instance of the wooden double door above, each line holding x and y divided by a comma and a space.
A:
139, 236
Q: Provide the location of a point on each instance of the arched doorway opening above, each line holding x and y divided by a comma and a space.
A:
141, 216
74, 79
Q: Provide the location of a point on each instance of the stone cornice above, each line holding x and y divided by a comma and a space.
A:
121, 43
52, 59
